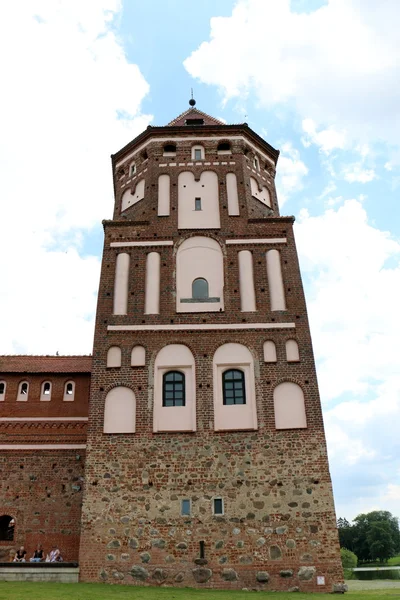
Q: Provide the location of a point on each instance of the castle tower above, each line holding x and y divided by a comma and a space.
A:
206, 458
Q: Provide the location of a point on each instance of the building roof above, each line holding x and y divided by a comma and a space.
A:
45, 364
194, 113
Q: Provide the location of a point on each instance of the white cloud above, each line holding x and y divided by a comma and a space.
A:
70, 97
356, 173
336, 65
290, 173
327, 139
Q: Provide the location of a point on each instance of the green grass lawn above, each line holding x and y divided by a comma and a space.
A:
392, 562
96, 591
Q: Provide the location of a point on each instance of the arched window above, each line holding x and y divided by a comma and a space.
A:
69, 391
46, 391
23, 391
200, 289
7, 525
170, 149
233, 387
224, 147
2, 390
174, 388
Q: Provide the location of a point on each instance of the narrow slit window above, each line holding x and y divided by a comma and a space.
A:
132, 170
197, 204
185, 508
69, 391
197, 154
218, 506
233, 386
2, 390
46, 388
24, 389
256, 163
174, 388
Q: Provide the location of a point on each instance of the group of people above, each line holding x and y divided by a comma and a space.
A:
39, 555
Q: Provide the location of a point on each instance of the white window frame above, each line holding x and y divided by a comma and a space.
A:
256, 163
213, 506
3, 394
198, 147
22, 397
132, 169
69, 397
45, 397
189, 514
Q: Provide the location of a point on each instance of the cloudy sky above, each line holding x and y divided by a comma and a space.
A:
319, 79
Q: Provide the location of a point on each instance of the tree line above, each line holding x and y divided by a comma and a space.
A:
374, 536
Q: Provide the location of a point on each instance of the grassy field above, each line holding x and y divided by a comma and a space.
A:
392, 562
94, 591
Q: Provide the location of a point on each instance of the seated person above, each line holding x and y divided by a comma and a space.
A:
20, 555
54, 555
38, 555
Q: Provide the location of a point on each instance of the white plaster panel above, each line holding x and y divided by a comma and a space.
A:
152, 303
120, 411
239, 416
114, 356
121, 284
261, 195
289, 406
129, 199
138, 356
201, 327
163, 195
152, 243
197, 147
258, 241
292, 351
175, 357
275, 280
206, 189
269, 351
246, 280
3, 392
232, 192
199, 257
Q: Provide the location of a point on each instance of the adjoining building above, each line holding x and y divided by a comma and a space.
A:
206, 460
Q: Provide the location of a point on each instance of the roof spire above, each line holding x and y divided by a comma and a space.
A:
192, 101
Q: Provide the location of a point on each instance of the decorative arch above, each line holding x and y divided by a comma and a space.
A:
131, 197
174, 416
205, 190
262, 194
120, 411
269, 351
292, 351
289, 406
233, 357
114, 356
199, 257
138, 356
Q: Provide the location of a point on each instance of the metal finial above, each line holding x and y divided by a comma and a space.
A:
192, 101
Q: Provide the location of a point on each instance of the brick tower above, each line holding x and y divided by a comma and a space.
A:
206, 457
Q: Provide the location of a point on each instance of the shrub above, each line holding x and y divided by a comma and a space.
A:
349, 559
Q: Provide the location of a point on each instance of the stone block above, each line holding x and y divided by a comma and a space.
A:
262, 576
306, 573
201, 575
229, 575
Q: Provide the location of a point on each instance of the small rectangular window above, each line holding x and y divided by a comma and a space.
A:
197, 204
132, 170
197, 154
218, 506
185, 508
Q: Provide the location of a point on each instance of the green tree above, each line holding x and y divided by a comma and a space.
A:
379, 538
372, 536
349, 559
346, 533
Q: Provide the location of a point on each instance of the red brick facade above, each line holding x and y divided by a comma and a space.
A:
277, 530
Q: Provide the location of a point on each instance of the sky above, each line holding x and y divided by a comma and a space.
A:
318, 79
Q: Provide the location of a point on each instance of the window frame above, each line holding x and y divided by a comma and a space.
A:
21, 397
3, 393
186, 514
197, 204
224, 389
218, 514
45, 397
69, 397
132, 169
198, 148
164, 390
201, 298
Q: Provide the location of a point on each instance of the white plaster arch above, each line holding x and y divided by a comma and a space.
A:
23, 391
240, 416
114, 356
232, 193
174, 357
269, 351
120, 411
164, 195
138, 356
45, 391
199, 257
292, 351
246, 281
275, 280
130, 198
206, 189
289, 406
262, 195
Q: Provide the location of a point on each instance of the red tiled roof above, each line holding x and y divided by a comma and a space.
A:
45, 364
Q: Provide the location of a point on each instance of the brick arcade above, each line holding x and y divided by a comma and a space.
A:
199, 458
